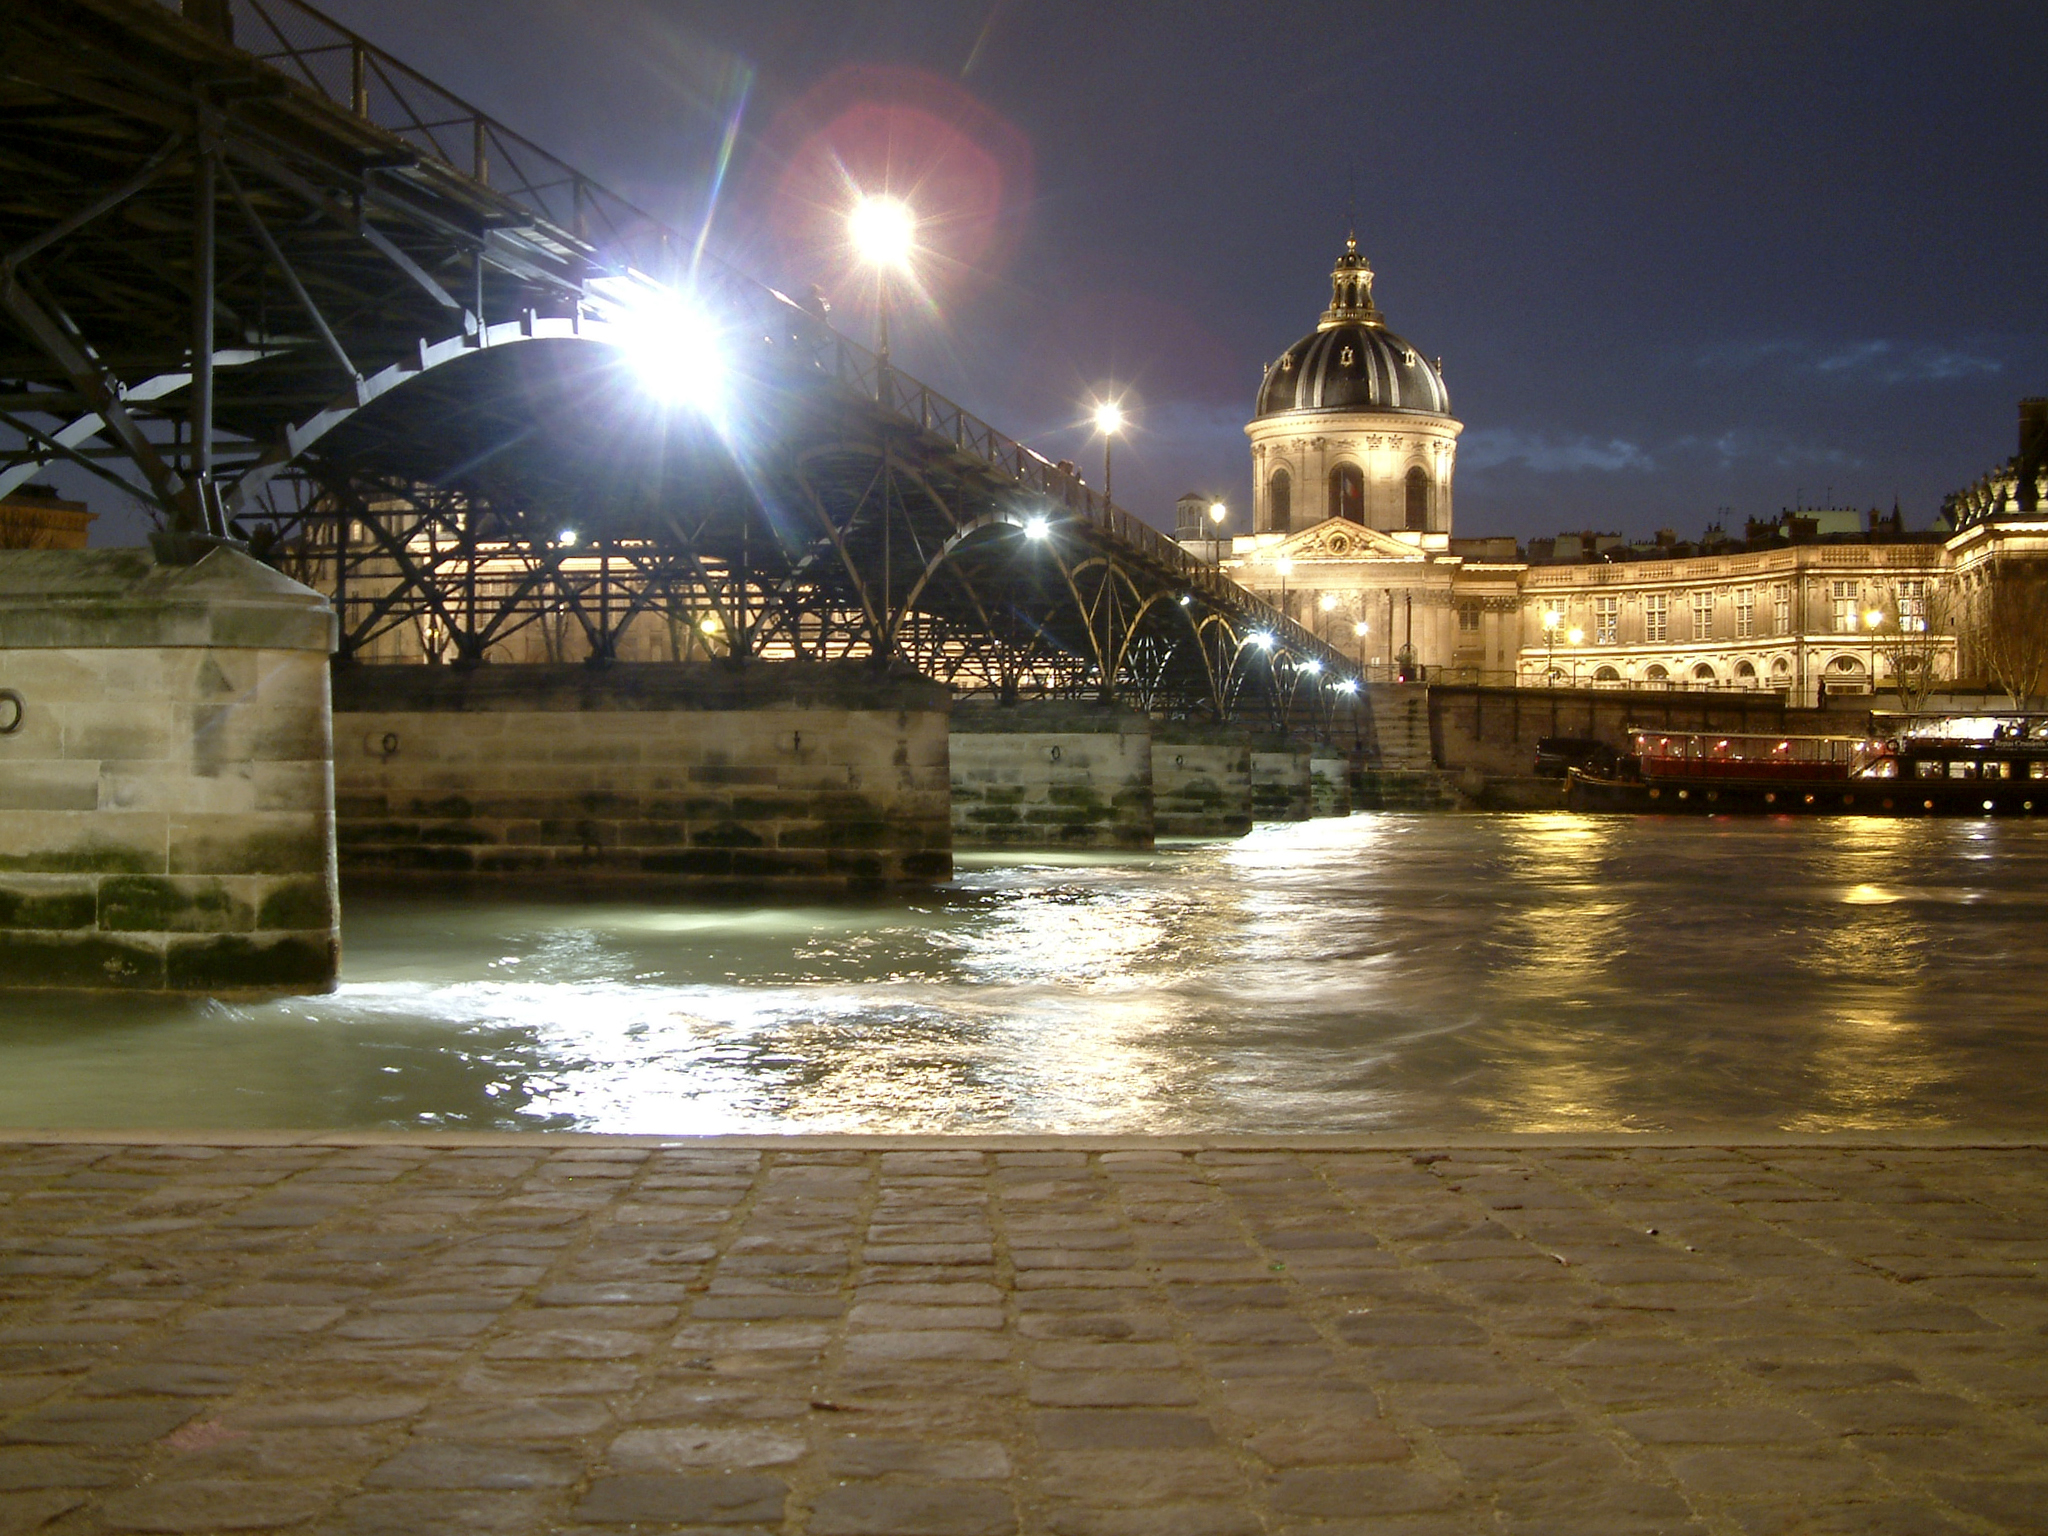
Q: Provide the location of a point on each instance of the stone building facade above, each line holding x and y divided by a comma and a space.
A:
1354, 451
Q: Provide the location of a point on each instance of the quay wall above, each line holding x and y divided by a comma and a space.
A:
643, 775
1494, 731
165, 776
1051, 774
1329, 785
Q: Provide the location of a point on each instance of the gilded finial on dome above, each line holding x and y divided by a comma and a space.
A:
1351, 290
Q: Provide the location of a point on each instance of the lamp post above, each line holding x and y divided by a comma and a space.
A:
1358, 632
1577, 637
883, 232
1109, 420
1285, 567
1552, 618
1871, 619
1217, 513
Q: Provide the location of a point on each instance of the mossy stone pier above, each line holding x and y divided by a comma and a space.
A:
165, 775
642, 776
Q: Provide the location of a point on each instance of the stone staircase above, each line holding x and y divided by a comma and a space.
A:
1401, 774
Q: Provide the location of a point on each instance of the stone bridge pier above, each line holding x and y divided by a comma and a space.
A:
641, 776
166, 818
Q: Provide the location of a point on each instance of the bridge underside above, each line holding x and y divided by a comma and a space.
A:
534, 502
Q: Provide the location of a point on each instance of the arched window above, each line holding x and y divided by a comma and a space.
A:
1280, 502
1655, 674
1745, 671
1703, 673
1418, 499
1848, 666
1347, 493
1607, 675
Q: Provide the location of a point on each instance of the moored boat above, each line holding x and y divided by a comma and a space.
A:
1982, 765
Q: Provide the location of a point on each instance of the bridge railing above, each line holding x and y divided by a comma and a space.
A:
352, 73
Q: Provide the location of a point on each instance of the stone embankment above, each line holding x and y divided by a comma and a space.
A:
928, 1338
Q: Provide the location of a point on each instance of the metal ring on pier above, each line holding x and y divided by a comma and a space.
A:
13, 710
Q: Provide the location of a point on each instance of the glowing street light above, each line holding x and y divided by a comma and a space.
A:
1036, 528
566, 538
1109, 420
669, 342
1217, 513
883, 232
1358, 632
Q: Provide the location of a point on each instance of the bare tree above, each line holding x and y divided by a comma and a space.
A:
2011, 629
1911, 636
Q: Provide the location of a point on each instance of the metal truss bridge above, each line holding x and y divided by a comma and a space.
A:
290, 292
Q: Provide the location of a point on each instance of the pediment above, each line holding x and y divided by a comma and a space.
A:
1337, 538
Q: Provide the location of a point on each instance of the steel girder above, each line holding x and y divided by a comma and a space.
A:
294, 263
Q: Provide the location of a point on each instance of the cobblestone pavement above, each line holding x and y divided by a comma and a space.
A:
1100, 1339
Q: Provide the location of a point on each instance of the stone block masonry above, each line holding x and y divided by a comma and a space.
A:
1201, 780
1280, 782
642, 776
165, 778
1329, 784
1051, 775
1022, 1336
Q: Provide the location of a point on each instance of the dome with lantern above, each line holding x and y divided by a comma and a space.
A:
1351, 361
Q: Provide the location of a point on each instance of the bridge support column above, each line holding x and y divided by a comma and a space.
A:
166, 791
1329, 784
1280, 781
641, 776
1051, 774
1201, 780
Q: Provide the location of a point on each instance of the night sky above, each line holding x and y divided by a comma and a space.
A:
1677, 257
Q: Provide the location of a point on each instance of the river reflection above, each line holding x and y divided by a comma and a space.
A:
1379, 973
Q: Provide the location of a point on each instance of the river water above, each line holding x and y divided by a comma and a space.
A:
1385, 972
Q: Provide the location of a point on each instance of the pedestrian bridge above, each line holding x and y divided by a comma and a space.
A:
293, 293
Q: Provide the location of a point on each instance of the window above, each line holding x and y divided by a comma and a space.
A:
1280, 501
1656, 620
1913, 605
1703, 615
1745, 674
1962, 770
1781, 610
1347, 493
1998, 770
1655, 674
1418, 499
1745, 612
1609, 675
1926, 770
1606, 619
1842, 601
1468, 617
1703, 673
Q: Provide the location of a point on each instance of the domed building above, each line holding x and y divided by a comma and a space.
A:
1353, 450
1353, 422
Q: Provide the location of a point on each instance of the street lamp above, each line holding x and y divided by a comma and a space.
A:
1871, 620
1552, 618
1358, 631
1109, 420
1217, 513
884, 233
1577, 637
1285, 566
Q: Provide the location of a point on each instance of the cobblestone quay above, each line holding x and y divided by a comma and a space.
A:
973, 1338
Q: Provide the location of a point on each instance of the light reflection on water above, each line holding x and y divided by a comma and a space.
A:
1386, 972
